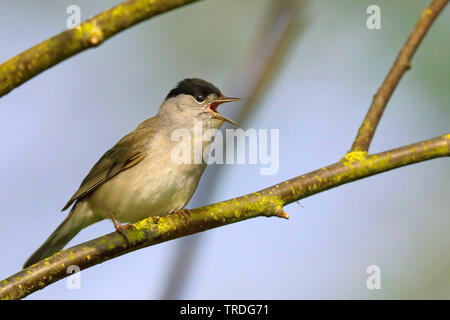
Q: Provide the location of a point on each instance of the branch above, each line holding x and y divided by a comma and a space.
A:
400, 66
90, 33
356, 164
256, 74
268, 202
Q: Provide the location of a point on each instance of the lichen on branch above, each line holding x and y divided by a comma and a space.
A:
267, 202
356, 164
401, 64
90, 33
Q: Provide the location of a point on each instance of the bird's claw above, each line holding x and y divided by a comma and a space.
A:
122, 229
183, 213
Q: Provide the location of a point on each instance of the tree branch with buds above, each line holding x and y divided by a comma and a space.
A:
356, 164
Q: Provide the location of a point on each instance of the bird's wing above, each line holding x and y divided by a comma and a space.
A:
128, 152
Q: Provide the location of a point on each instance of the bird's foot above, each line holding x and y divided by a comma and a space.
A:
183, 213
122, 229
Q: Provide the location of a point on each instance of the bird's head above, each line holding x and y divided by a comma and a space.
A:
195, 100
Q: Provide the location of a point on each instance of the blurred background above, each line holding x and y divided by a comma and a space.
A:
307, 68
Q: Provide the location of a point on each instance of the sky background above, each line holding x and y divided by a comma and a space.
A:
56, 126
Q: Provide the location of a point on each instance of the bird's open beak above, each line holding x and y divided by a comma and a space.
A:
213, 108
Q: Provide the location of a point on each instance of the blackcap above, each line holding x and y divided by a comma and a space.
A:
138, 177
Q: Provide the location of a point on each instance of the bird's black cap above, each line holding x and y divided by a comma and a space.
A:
194, 87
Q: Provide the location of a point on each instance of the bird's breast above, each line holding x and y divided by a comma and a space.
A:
155, 186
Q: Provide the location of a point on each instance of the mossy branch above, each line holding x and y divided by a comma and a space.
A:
398, 69
356, 164
90, 33
268, 202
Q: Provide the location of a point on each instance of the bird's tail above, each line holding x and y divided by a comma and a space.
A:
68, 229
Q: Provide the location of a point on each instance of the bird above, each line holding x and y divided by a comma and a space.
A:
138, 178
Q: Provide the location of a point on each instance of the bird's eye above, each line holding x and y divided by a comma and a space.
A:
200, 98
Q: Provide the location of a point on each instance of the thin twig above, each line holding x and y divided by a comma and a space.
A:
267, 202
90, 33
400, 66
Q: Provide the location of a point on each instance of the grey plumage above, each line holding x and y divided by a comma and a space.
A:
137, 177
129, 151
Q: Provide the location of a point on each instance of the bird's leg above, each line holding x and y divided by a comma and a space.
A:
121, 228
183, 213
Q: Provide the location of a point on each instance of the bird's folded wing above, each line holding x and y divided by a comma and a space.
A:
129, 151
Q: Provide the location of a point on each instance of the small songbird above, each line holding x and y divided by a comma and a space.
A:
138, 177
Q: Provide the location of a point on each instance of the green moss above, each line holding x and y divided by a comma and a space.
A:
135, 235
356, 156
